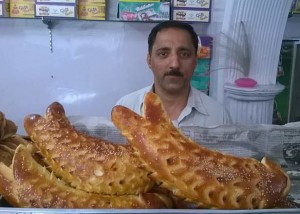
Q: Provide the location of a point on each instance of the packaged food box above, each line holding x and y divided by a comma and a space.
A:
191, 15
22, 10
91, 12
93, 2
144, 11
55, 10
139, 1
4, 9
192, 3
22, 1
57, 1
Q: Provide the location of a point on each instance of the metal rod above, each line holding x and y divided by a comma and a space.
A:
50, 27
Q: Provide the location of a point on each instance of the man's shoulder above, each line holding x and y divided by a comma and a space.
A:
206, 103
204, 97
212, 107
134, 96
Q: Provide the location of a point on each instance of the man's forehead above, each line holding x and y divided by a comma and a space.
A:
164, 40
171, 30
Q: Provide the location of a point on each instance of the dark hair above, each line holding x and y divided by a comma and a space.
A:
172, 24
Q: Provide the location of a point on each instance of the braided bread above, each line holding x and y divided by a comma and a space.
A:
29, 184
209, 178
84, 162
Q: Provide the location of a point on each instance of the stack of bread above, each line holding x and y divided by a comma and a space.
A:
60, 167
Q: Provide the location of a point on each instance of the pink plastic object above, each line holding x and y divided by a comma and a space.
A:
245, 82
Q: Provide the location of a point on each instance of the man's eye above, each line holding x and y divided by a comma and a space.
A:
185, 54
162, 54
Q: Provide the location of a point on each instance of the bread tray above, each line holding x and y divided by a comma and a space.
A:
275, 141
7, 209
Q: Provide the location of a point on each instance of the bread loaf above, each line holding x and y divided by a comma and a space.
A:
29, 184
210, 178
84, 162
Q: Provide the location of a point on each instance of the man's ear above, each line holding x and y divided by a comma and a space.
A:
149, 60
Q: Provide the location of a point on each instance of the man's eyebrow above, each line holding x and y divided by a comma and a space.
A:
183, 48
163, 49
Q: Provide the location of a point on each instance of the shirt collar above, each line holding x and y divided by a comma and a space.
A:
195, 101
149, 88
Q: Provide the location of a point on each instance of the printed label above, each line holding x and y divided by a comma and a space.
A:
191, 15
22, 10
92, 12
205, 4
67, 11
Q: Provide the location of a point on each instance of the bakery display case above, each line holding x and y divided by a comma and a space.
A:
280, 143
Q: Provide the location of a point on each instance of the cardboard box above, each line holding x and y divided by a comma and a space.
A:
203, 4
22, 10
55, 10
139, 1
144, 11
191, 15
91, 2
4, 9
57, 1
22, 1
91, 12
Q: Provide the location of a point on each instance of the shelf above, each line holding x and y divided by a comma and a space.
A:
90, 20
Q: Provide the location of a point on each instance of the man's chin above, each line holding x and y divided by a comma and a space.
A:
174, 89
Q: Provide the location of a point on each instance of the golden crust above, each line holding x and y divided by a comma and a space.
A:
87, 163
8, 147
7, 127
6, 185
10, 129
29, 184
6, 155
209, 178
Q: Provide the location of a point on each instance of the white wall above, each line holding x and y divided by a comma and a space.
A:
93, 63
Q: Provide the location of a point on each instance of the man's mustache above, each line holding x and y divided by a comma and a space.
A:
174, 73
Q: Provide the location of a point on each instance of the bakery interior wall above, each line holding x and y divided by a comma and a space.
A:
92, 65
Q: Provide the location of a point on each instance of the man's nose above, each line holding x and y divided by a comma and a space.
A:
174, 61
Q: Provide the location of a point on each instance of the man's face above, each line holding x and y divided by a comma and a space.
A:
172, 60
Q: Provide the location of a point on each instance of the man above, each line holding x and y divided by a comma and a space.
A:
172, 57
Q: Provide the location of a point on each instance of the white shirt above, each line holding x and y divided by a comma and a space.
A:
201, 110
